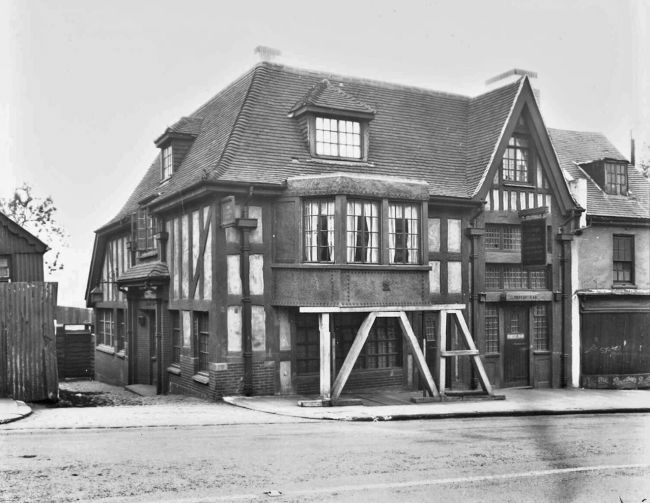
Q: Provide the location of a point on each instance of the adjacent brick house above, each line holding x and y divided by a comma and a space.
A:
611, 257
297, 209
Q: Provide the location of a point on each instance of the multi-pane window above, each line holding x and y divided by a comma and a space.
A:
491, 329
403, 233
144, 230
338, 138
540, 327
105, 327
503, 237
363, 232
516, 160
167, 162
430, 326
514, 277
5, 268
121, 330
307, 344
177, 341
382, 349
201, 337
319, 230
623, 259
616, 178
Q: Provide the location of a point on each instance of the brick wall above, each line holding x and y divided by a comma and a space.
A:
224, 379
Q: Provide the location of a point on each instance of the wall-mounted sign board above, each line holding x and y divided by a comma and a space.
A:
228, 211
533, 242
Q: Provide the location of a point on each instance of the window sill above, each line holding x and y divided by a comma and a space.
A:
541, 351
201, 377
121, 354
147, 254
341, 161
511, 183
103, 348
492, 355
361, 267
174, 369
624, 286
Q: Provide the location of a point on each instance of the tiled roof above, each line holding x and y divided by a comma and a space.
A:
578, 147
187, 125
247, 135
145, 271
326, 95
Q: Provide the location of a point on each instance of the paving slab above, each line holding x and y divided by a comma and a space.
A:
518, 402
12, 410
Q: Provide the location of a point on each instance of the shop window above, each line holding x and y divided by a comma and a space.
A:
201, 337
623, 255
177, 341
383, 347
319, 230
491, 329
540, 327
363, 232
403, 233
105, 327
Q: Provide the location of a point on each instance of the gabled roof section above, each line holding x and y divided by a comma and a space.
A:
488, 116
579, 147
325, 96
23, 233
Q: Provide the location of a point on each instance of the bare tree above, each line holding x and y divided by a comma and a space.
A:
37, 215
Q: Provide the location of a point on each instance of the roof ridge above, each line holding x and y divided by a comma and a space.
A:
361, 80
226, 88
236, 132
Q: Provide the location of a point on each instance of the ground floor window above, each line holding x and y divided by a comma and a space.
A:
121, 329
105, 327
383, 348
177, 342
201, 337
491, 329
307, 344
540, 327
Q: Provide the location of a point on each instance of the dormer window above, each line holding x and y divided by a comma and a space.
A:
167, 162
615, 179
516, 162
338, 138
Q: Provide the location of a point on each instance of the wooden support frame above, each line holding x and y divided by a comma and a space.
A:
325, 355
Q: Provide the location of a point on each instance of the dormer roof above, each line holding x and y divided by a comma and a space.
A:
329, 98
185, 127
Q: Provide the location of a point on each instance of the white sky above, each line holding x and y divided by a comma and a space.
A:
86, 86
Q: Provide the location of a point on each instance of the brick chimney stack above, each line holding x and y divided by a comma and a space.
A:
511, 76
265, 53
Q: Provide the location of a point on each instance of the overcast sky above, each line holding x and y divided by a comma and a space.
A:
86, 86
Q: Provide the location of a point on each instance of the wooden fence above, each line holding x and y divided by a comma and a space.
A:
75, 351
28, 368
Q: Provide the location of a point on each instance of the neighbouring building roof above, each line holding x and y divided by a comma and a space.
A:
246, 133
579, 147
23, 233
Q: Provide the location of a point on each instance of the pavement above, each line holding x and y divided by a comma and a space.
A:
178, 411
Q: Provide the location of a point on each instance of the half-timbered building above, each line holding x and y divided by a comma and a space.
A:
307, 233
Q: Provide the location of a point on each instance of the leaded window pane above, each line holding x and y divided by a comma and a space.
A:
338, 138
540, 327
362, 232
491, 329
318, 230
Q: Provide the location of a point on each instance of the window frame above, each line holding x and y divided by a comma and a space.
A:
106, 327
145, 231
616, 182
492, 331
166, 162
622, 238
529, 158
408, 236
120, 330
7, 277
201, 340
177, 336
313, 247
314, 141
372, 241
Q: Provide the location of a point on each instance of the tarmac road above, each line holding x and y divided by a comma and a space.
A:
544, 458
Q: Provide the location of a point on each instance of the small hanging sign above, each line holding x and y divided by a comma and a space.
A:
228, 212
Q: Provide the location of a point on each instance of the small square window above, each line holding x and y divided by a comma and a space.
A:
5, 268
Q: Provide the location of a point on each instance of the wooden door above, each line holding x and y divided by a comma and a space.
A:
516, 346
146, 348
